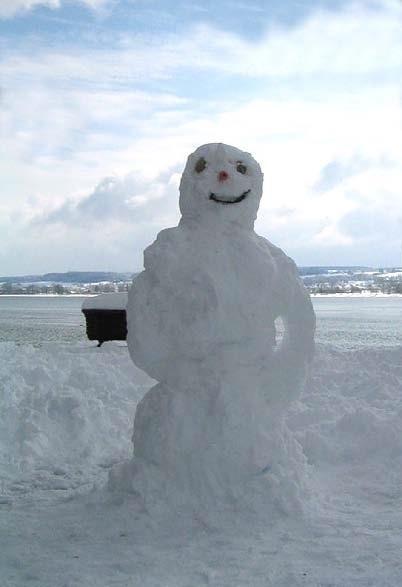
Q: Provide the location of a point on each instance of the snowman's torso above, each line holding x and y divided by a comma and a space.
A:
238, 276
205, 296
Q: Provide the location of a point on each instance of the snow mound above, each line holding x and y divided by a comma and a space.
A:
66, 406
70, 408
351, 412
346, 423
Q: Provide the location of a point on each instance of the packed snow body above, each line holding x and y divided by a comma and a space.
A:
212, 288
201, 321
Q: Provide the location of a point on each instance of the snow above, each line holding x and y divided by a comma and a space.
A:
241, 475
201, 321
66, 414
108, 301
362, 294
53, 405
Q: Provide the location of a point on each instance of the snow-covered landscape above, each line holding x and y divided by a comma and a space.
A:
239, 423
255, 462
66, 418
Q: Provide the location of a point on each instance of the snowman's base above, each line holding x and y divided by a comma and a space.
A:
197, 450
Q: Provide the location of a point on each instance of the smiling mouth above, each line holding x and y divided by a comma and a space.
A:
216, 198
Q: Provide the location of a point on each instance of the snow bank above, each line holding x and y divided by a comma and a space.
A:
66, 406
72, 407
351, 412
66, 413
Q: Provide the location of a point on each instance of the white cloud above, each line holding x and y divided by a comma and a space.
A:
127, 200
95, 4
9, 8
326, 44
108, 227
326, 127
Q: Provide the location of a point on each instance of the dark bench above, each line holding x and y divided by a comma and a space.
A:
105, 317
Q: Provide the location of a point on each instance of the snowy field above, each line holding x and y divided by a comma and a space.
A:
66, 419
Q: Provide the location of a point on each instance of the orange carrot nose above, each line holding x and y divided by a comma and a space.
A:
223, 176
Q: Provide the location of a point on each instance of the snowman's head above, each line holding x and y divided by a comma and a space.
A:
221, 183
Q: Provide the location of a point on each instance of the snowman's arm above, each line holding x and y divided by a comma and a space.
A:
161, 256
149, 306
289, 368
167, 303
296, 311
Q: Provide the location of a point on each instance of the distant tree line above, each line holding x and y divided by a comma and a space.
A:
331, 286
32, 289
388, 287
58, 289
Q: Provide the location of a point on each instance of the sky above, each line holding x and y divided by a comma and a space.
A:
101, 102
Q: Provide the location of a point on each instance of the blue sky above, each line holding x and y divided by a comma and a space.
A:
102, 100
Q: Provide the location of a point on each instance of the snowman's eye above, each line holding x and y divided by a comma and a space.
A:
241, 168
200, 165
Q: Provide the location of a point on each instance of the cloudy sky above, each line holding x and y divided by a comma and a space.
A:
101, 101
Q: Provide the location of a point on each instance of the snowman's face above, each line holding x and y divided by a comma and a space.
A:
221, 182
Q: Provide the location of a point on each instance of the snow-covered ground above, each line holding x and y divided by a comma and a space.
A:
66, 415
363, 294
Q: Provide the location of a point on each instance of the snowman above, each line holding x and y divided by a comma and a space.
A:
202, 321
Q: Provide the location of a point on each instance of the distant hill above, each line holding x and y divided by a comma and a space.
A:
79, 277
322, 270
70, 277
